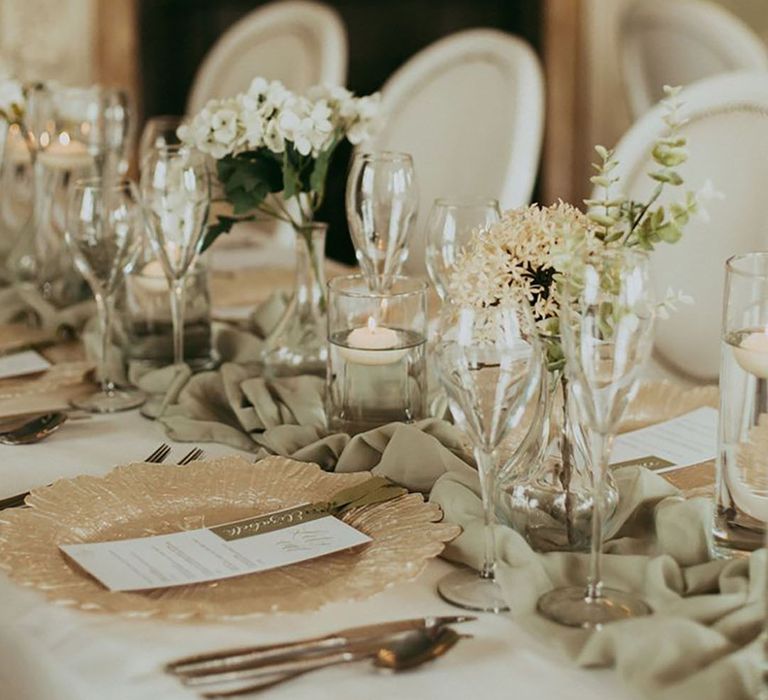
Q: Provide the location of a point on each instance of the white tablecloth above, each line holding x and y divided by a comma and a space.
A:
53, 653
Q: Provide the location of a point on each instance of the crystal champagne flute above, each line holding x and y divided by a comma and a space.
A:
175, 188
490, 364
159, 132
104, 232
450, 226
382, 201
607, 330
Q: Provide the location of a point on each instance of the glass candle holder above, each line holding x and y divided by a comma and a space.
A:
146, 319
741, 491
377, 354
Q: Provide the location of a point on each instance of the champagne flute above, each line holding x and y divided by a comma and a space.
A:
607, 330
490, 364
158, 132
176, 194
382, 200
450, 226
104, 232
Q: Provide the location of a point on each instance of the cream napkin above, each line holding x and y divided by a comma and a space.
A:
21, 302
702, 641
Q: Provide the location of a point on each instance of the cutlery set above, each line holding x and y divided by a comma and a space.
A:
397, 646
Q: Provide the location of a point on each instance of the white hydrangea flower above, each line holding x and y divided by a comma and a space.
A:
268, 115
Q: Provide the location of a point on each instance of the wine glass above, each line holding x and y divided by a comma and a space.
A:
490, 364
158, 132
382, 200
450, 226
104, 232
607, 330
176, 194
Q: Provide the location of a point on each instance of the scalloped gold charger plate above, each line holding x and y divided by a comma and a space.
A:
139, 500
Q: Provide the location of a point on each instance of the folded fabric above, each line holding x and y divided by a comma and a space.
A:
18, 302
702, 640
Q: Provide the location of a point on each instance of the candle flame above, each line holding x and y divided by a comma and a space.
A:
371, 323
64, 138
45, 139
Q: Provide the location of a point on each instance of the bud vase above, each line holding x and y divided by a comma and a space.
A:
298, 344
545, 490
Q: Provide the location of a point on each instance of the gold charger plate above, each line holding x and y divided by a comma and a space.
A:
148, 499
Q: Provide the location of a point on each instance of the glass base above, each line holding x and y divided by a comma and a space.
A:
467, 589
570, 606
111, 401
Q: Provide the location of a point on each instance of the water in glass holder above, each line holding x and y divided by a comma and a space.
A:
377, 354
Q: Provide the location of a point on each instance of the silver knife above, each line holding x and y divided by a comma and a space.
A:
232, 658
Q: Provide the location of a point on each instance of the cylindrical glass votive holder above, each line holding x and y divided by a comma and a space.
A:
377, 354
145, 314
741, 492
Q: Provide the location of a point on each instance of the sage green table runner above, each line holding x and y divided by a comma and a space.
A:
702, 642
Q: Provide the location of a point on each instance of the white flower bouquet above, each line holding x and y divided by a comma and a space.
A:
528, 251
273, 146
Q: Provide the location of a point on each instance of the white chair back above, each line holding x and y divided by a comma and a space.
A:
727, 136
298, 42
469, 108
665, 42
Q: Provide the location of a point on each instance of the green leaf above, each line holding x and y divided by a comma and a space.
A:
320, 171
292, 183
223, 225
666, 176
669, 233
602, 151
601, 219
248, 178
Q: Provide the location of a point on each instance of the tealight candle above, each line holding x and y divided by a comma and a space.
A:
372, 345
752, 354
66, 154
152, 278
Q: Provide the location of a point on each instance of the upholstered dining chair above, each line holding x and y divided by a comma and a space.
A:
727, 136
297, 41
470, 110
677, 43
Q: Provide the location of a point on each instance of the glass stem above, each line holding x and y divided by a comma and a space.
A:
485, 469
178, 288
600, 449
105, 306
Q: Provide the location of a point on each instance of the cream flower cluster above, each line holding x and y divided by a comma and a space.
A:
11, 99
519, 257
268, 115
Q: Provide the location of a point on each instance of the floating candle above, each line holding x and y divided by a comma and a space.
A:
752, 354
373, 345
66, 154
152, 278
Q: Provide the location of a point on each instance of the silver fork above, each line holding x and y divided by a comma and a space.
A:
193, 455
159, 455
156, 457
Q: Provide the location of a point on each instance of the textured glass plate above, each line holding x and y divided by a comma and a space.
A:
148, 499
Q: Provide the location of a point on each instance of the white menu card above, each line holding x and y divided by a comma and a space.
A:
681, 442
18, 364
208, 554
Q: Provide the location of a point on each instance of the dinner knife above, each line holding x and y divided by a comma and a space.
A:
201, 663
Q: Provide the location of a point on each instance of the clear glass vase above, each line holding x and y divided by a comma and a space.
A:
545, 490
297, 344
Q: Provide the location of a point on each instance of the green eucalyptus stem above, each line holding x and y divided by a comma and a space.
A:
643, 212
